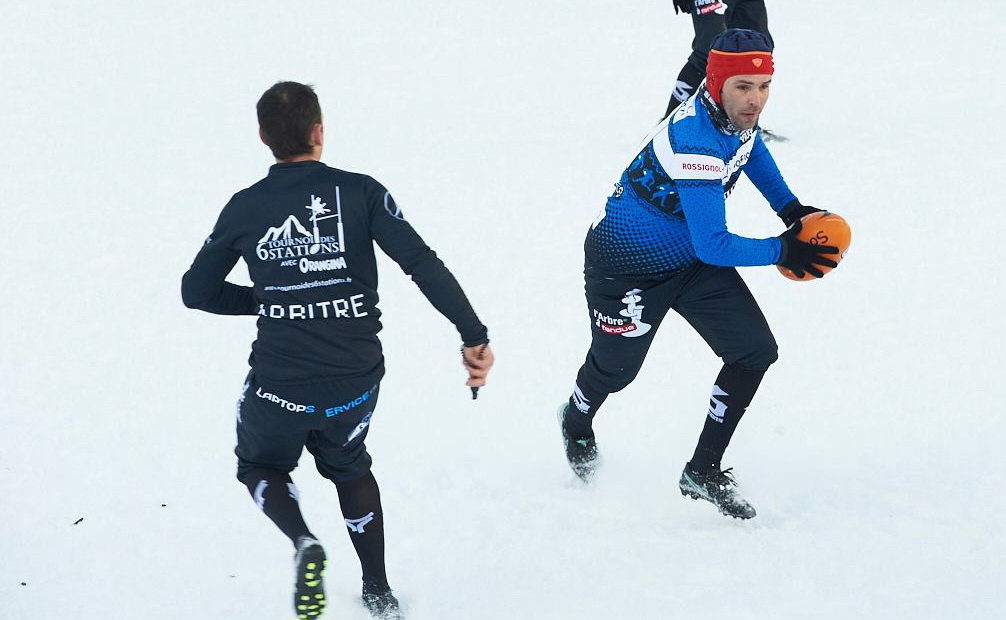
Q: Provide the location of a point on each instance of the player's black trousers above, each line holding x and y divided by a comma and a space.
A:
276, 423
748, 14
625, 316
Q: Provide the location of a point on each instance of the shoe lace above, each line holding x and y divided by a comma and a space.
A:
723, 478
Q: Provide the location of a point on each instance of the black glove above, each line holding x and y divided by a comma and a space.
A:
684, 6
793, 211
800, 257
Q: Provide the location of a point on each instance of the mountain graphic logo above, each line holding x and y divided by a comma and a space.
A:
285, 230
293, 240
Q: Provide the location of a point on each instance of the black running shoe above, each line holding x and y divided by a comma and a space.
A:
382, 605
581, 452
309, 591
717, 487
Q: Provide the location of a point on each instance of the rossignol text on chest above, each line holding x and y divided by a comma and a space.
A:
697, 166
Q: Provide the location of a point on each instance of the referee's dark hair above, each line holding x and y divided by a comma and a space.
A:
287, 113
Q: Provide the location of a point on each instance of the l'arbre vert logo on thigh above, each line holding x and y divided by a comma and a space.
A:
702, 7
631, 325
612, 325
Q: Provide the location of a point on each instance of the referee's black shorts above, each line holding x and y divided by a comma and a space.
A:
275, 423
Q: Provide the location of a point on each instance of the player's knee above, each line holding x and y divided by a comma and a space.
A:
249, 474
246, 472
616, 379
349, 469
759, 354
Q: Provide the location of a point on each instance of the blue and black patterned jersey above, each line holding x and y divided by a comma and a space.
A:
669, 208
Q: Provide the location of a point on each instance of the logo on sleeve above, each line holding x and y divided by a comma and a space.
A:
294, 244
392, 207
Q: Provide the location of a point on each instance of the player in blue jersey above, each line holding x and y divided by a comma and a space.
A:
662, 243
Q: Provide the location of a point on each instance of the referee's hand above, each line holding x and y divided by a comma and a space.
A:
477, 361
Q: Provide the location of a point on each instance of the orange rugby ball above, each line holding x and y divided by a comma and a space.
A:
823, 228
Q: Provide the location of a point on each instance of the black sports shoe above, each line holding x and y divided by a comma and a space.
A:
382, 605
717, 487
581, 453
309, 591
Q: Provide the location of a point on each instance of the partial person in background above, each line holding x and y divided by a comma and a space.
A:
709, 19
661, 243
307, 234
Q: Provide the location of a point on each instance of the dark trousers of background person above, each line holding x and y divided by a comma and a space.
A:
625, 316
749, 14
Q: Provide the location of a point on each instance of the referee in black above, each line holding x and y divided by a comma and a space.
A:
307, 233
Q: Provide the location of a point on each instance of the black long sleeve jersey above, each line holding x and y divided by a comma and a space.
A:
306, 232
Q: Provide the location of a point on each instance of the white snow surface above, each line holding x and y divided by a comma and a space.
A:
873, 450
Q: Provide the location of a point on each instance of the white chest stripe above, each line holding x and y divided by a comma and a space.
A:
685, 165
665, 154
693, 166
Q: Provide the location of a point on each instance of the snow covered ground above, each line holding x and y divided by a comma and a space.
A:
872, 452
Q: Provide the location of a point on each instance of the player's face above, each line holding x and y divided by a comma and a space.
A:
743, 98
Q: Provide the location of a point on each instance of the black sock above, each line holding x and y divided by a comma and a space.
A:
360, 500
583, 405
276, 494
732, 393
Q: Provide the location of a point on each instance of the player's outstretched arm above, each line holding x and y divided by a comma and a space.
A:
705, 212
402, 244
